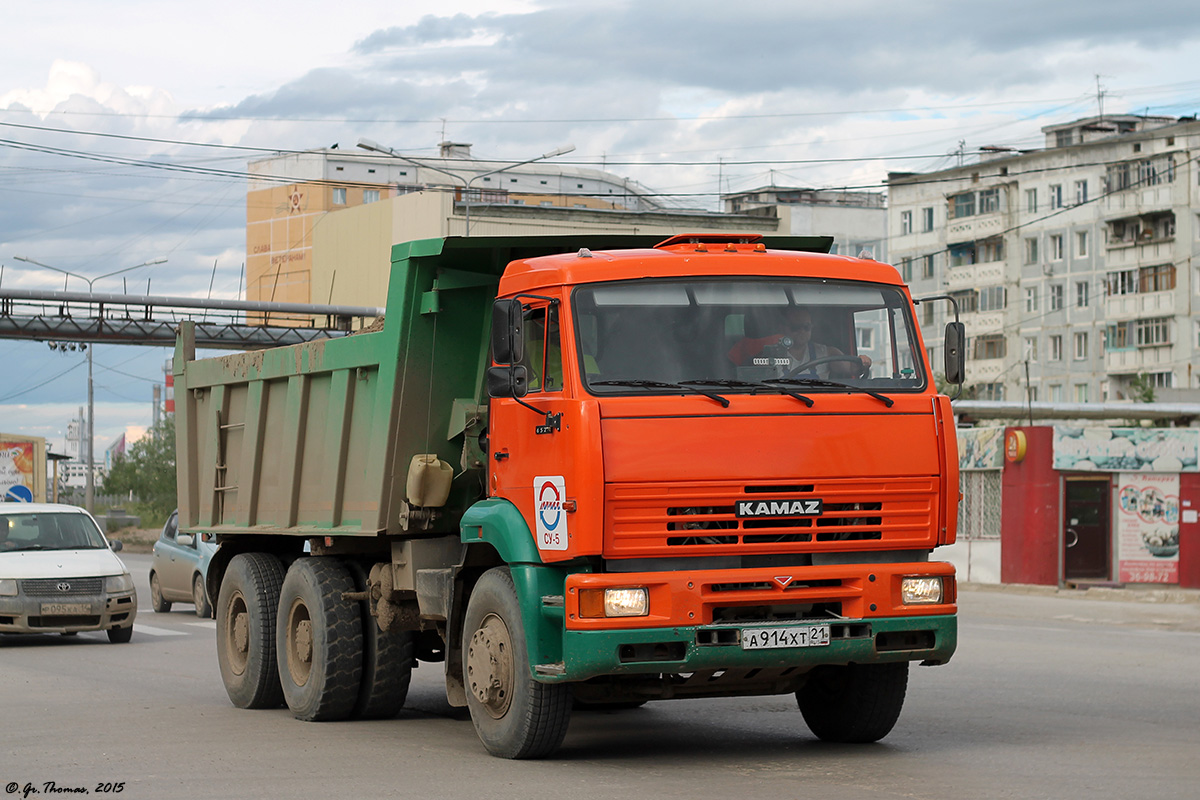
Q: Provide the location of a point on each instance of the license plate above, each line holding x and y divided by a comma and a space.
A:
793, 636
65, 609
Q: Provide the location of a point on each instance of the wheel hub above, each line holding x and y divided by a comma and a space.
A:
299, 643
490, 666
237, 634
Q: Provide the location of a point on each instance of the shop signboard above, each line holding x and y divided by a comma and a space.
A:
980, 449
1166, 450
17, 472
1148, 528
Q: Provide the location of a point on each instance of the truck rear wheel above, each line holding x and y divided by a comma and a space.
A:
388, 658
856, 703
319, 640
246, 609
514, 715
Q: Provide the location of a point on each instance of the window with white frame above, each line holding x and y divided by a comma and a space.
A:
989, 201
1081, 346
906, 269
1153, 332
905, 223
962, 205
1056, 297
991, 391
1031, 200
1031, 251
927, 219
1056, 247
1031, 298
1031, 349
990, 250
1081, 294
339, 196
864, 338
1056, 196
1032, 393
1056, 347
1081, 195
370, 195
1081, 244
1081, 393
1122, 281
992, 298
1056, 393
927, 266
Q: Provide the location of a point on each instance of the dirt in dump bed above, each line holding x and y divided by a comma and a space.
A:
377, 325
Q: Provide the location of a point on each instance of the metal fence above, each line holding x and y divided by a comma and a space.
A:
980, 508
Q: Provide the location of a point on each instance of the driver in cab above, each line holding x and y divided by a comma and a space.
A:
807, 359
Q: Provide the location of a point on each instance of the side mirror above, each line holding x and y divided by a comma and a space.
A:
185, 540
116, 545
955, 347
510, 380
508, 334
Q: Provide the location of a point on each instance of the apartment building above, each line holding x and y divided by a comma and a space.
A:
1072, 265
857, 221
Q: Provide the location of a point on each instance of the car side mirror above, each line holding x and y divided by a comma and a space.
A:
116, 545
185, 540
508, 334
955, 345
510, 380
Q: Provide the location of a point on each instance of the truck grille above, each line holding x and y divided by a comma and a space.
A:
52, 587
678, 519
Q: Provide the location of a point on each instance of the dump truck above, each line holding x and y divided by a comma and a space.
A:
584, 470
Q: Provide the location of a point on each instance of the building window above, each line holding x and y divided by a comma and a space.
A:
991, 250
989, 201
905, 223
962, 205
1081, 294
1080, 192
991, 391
989, 346
864, 337
1118, 336
1120, 282
927, 266
1031, 349
1081, 393
370, 195
1031, 298
1056, 296
1056, 247
992, 298
1032, 393
1056, 196
1031, 200
1117, 177
339, 197
1031, 251
927, 219
1153, 332
1056, 347
967, 300
1081, 346
1161, 380
1156, 279
927, 313
962, 254
1056, 393
1081, 244
906, 270
1063, 138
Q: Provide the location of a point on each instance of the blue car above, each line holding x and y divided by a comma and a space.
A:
179, 569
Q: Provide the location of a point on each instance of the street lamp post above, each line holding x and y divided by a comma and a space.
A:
89, 495
367, 144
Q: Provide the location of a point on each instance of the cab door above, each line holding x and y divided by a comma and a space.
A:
530, 437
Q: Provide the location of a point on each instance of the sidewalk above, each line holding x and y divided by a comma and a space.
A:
1135, 594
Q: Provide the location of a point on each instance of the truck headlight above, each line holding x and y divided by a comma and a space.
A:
118, 583
631, 602
920, 591
8, 587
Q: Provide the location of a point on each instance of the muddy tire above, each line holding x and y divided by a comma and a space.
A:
157, 602
200, 597
388, 660
246, 608
857, 703
120, 635
319, 641
514, 715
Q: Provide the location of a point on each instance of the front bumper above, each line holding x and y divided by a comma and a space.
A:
90, 612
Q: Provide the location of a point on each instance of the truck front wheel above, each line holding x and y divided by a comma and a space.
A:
319, 640
246, 608
514, 715
855, 703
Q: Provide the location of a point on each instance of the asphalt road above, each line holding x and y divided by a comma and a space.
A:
1047, 697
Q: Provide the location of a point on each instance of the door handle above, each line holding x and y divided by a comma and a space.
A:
1074, 537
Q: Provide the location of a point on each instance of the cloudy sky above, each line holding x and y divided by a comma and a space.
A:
125, 125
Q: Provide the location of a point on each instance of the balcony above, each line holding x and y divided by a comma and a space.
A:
1137, 305
1132, 360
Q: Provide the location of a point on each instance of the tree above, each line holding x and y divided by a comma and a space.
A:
148, 471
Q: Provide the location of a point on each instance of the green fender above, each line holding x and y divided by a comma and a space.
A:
500, 524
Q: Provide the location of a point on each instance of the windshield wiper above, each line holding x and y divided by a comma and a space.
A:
644, 384
29, 547
889, 402
730, 382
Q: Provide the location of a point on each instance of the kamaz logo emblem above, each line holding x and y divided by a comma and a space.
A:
779, 508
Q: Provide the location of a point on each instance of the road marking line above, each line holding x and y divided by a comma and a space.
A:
211, 624
152, 631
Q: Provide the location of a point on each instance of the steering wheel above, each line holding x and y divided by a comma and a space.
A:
863, 369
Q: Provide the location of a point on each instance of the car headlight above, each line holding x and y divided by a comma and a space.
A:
8, 587
632, 602
118, 583
920, 591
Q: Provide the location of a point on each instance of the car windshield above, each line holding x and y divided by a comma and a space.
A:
746, 335
49, 530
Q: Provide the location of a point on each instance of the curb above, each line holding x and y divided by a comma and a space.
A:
1124, 594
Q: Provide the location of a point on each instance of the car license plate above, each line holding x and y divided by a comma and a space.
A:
64, 609
792, 636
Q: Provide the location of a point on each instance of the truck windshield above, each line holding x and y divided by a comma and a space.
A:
746, 335
49, 531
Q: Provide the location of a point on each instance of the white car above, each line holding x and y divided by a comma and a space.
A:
58, 574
